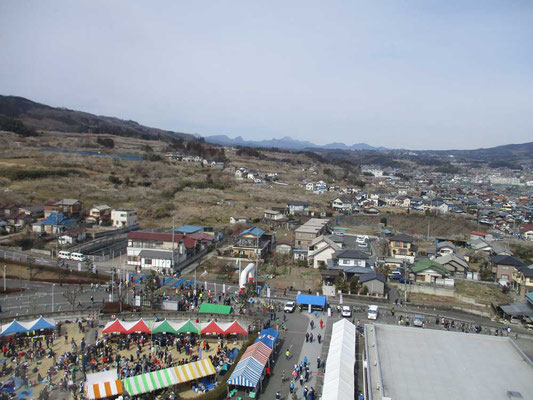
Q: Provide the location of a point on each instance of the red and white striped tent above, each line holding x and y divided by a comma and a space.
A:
103, 384
233, 328
115, 326
259, 351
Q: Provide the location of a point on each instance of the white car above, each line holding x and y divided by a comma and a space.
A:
346, 311
289, 307
373, 312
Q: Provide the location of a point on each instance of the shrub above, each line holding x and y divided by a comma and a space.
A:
18, 174
106, 142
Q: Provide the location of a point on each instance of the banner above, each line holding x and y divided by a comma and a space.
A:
224, 288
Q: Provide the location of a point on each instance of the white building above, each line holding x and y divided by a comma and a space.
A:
122, 218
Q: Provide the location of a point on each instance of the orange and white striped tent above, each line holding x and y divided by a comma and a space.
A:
103, 384
105, 389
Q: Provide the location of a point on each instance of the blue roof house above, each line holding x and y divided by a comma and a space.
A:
55, 224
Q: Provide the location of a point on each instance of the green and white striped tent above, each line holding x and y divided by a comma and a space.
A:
167, 377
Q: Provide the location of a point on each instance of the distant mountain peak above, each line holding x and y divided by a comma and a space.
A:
286, 142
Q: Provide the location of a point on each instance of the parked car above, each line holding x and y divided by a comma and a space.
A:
346, 311
418, 320
290, 306
373, 312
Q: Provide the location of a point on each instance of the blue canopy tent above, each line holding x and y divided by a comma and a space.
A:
314, 301
178, 283
39, 324
167, 280
13, 327
247, 373
268, 336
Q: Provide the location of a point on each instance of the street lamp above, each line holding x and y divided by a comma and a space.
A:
53, 304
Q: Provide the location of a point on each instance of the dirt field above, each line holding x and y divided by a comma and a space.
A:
47, 274
483, 294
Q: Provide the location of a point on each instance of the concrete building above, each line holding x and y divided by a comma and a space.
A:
306, 233
419, 364
122, 218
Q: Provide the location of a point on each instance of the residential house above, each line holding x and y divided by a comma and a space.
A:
73, 236
241, 173
99, 215
402, 246
445, 248
481, 235
70, 208
239, 219
526, 230
351, 258
523, 280
438, 206
124, 218
321, 251
54, 224
427, 271
17, 221
252, 243
276, 219
343, 204
156, 250
374, 281
455, 264
297, 207
272, 215
504, 266
284, 247
306, 233
33, 211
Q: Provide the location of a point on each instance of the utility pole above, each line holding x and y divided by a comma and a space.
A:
112, 283
172, 256
53, 303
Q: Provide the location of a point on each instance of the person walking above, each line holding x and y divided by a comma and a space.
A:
307, 372
312, 324
305, 393
291, 387
321, 324
306, 337
311, 338
318, 362
301, 379
319, 338
288, 354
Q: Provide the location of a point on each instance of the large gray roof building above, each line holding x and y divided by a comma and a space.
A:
407, 363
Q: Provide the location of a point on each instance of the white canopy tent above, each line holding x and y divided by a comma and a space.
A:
339, 379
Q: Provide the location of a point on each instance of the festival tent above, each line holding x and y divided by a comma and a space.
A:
339, 379
268, 336
211, 308
259, 351
136, 327
233, 327
164, 327
40, 323
115, 326
211, 327
188, 327
163, 378
247, 373
103, 384
13, 327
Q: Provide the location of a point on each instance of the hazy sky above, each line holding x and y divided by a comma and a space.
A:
412, 74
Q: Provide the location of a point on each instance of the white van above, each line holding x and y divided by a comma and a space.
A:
373, 312
64, 255
77, 257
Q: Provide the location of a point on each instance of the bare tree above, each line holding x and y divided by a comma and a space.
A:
33, 270
72, 295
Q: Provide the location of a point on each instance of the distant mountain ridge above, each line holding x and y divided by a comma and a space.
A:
286, 143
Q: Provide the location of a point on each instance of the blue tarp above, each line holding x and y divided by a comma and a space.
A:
167, 280
13, 327
247, 373
178, 283
310, 299
233, 354
268, 336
